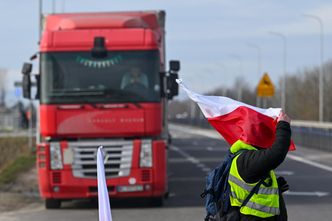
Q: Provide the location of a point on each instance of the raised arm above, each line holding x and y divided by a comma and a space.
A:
253, 165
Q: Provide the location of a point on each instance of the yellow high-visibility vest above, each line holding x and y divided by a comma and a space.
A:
263, 204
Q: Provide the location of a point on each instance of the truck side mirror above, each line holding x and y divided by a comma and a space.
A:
38, 86
26, 81
26, 86
172, 86
27, 68
174, 66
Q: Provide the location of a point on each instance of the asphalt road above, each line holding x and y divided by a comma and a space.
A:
192, 155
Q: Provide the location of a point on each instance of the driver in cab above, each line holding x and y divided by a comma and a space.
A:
135, 81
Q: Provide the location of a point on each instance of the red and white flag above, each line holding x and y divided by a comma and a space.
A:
235, 120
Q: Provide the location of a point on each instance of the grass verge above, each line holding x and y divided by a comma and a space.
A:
13, 169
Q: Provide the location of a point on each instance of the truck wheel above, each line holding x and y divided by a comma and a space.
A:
169, 139
52, 204
166, 195
157, 201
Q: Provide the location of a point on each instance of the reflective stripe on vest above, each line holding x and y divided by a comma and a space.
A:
259, 207
263, 204
243, 185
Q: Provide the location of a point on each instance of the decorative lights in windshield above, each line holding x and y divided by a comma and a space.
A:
100, 63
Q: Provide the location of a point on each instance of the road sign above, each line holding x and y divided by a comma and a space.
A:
265, 87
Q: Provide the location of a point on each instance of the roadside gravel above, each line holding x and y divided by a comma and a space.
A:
20, 193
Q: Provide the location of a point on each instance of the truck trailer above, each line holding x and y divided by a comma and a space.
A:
88, 98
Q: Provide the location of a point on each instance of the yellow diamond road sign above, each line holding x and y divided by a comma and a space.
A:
265, 87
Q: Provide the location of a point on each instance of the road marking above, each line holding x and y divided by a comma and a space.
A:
201, 132
200, 165
320, 156
186, 179
309, 162
314, 193
284, 173
209, 149
202, 160
206, 169
191, 159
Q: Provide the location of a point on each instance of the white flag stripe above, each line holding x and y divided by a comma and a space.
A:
214, 106
103, 198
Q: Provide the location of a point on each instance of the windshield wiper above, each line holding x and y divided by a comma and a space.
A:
84, 92
124, 94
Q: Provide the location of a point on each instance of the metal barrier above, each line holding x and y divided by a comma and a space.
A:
312, 134
9, 122
304, 133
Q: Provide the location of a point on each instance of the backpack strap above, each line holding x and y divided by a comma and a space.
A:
225, 199
252, 192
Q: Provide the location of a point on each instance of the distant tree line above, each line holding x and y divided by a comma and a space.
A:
302, 91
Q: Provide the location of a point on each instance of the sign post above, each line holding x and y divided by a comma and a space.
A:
265, 88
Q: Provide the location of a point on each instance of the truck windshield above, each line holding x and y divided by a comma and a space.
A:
77, 77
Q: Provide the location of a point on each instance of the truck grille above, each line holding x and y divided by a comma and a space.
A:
85, 158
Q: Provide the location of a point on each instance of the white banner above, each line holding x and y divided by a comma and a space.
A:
103, 198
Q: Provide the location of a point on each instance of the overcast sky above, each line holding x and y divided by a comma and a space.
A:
209, 37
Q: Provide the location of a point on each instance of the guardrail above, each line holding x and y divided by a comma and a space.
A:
310, 134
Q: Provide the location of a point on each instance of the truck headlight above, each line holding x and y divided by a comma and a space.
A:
146, 154
56, 156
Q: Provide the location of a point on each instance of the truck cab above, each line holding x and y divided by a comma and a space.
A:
102, 82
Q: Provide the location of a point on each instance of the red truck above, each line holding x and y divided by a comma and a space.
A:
88, 95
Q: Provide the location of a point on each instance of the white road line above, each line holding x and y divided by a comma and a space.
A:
313, 193
206, 169
309, 162
202, 160
284, 173
200, 165
186, 179
209, 149
320, 156
200, 132
190, 158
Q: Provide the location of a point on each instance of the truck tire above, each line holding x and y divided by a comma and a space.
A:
52, 204
157, 201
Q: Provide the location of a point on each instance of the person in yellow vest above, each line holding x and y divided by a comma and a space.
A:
254, 166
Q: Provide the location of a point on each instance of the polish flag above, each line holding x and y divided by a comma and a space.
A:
104, 207
235, 120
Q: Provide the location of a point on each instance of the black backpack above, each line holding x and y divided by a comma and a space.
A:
217, 190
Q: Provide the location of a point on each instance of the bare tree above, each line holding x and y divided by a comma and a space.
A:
3, 74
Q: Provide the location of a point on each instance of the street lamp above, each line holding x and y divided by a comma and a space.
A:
321, 72
259, 64
240, 60
40, 17
283, 83
259, 58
